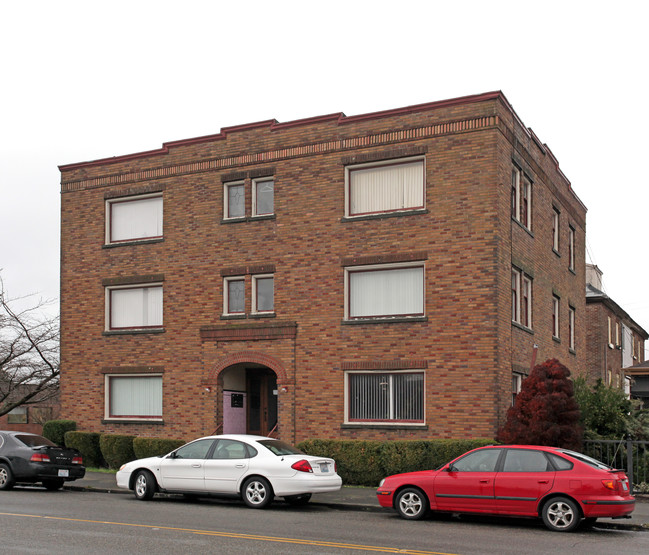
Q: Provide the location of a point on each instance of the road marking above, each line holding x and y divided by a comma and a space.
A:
253, 537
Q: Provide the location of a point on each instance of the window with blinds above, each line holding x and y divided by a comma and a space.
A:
385, 397
135, 307
134, 396
385, 187
134, 219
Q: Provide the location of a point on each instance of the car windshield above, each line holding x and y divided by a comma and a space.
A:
34, 441
279, 448
586, 459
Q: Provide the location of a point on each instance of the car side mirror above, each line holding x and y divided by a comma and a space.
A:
172, 455
450, 468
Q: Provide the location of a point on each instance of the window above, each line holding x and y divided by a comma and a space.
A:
571, 248
262, 299
555, 230
521, 298
521, 198
610, 333
519, 460
134, 396
263, 197
235, 200
483, 460
134, 218
381, 292
385, 187
235, 295
263, 293
517, 382
17, 415
385, 397
571, 328
555, 316
195, 450
231, 449
132, 307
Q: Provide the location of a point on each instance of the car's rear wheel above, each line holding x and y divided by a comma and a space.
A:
53, 484
6, 477
144, 486
257, 492
412, 504
560, 514
298, 500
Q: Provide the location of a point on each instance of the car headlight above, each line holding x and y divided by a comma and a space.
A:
381, 482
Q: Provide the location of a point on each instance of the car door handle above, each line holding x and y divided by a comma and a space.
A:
239, 466
484, 481
196, 466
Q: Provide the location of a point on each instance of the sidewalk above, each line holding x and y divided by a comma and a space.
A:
360, 499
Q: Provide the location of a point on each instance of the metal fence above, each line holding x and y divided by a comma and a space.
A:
627, 454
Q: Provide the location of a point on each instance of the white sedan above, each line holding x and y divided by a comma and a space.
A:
256, 468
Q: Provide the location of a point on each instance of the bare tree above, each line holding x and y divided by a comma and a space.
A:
29, 352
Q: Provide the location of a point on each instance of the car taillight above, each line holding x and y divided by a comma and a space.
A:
40, 457
77, 460
302, 466
609, 484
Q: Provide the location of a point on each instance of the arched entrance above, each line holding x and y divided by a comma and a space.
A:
249, 399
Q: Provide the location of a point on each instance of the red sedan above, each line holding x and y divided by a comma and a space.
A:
558, 485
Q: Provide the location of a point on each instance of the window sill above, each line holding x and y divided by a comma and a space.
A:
572, 271
523, 227
133, 243
397, 214
262, 315
572, 351
248, 219
555, 251
556, 339
133, 332
383, 426
399, 320
233, 316
523, 328
132, 421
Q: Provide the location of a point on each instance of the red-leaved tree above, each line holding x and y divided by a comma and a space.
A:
545, 411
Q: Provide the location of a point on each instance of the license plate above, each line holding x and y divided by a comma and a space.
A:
625, 487
324, 467
63, 473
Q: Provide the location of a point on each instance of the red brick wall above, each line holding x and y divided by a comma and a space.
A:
467, 238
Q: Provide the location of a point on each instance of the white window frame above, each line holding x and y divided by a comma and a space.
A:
379, 268
556, 319
255, 183
226, 300
255, 308
521, 188
109, 308
114, 202
392, 421
108, 391
571, 248
519, 281
556, 229
349, 171
571, 327
226, 199
517, 383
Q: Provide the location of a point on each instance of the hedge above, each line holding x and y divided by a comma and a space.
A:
117, 449
152, 447
88, 444
55, 430
366, 463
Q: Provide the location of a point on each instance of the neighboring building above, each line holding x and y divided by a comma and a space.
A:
638, 375
614, 341
387, 275
30, 417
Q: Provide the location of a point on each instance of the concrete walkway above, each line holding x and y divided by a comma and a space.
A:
356, 498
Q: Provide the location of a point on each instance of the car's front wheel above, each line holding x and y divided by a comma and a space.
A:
257, 492
53, 484
298, 500
145, 485
6, 477
560, 514
411, 503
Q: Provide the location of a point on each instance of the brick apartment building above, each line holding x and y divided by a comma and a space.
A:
387, 275
614, 341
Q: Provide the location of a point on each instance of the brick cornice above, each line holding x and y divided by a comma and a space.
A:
398, 364
132, 370
383, 258
133, 280
397, 136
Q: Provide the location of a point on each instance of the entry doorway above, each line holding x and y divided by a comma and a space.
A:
261, 385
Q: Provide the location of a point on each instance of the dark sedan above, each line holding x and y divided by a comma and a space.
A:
30, 458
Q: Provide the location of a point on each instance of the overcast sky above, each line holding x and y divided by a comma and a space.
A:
91, 79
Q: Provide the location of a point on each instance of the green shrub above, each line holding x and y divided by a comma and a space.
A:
152, 447
365, 463
54, 430
116, 449
88, 445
